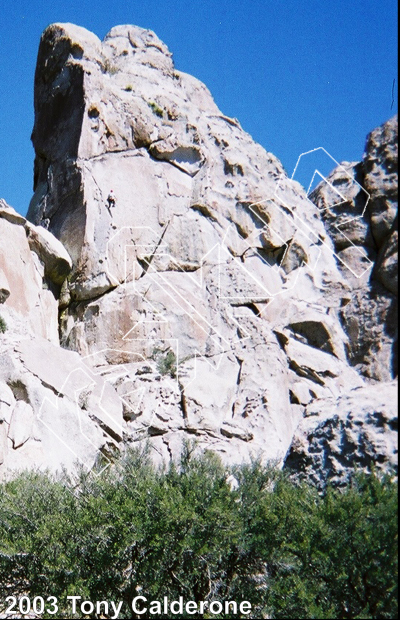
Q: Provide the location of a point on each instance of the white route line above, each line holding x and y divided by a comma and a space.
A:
334, 189
157, 278
55, 403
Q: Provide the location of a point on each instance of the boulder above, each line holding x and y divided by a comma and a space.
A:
56, 260
359, 429
29, 305
9, 214
54, 410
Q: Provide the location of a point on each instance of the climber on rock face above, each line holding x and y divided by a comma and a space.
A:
110, 200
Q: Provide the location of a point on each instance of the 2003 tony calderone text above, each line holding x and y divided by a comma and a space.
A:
139, 605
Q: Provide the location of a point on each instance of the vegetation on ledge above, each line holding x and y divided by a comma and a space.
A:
3, 325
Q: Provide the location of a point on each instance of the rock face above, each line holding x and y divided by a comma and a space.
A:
363, 225
28, 268
361, 426
54, 410
207, 297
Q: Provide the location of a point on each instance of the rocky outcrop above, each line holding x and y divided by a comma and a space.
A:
359, 429
29, 297
206, 297
363, 224
54, 411
359, 205
179, 282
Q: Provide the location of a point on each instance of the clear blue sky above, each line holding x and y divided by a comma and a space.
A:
297, 74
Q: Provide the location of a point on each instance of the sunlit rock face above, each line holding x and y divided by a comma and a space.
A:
54, 411
207, 291
361, 426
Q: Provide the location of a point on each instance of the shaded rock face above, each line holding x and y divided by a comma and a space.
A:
364, 229
206, 297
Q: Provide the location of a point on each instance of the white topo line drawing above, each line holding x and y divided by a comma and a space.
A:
222, 260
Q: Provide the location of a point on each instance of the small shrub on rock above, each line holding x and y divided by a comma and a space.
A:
3, 325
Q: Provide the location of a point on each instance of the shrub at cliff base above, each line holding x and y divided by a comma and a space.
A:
206, 533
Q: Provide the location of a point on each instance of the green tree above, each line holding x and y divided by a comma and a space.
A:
206, 532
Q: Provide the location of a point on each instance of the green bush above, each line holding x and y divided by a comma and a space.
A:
167, 364
156, 109
187, 530
3, 325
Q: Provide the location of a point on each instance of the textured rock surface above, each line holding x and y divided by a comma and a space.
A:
30, 305
53, 409
358, 429
364, 229
207, 300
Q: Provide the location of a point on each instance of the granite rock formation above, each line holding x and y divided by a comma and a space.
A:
54, 411
364, 227
359, 206
205, 297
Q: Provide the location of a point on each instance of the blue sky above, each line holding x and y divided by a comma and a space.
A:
297, 74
